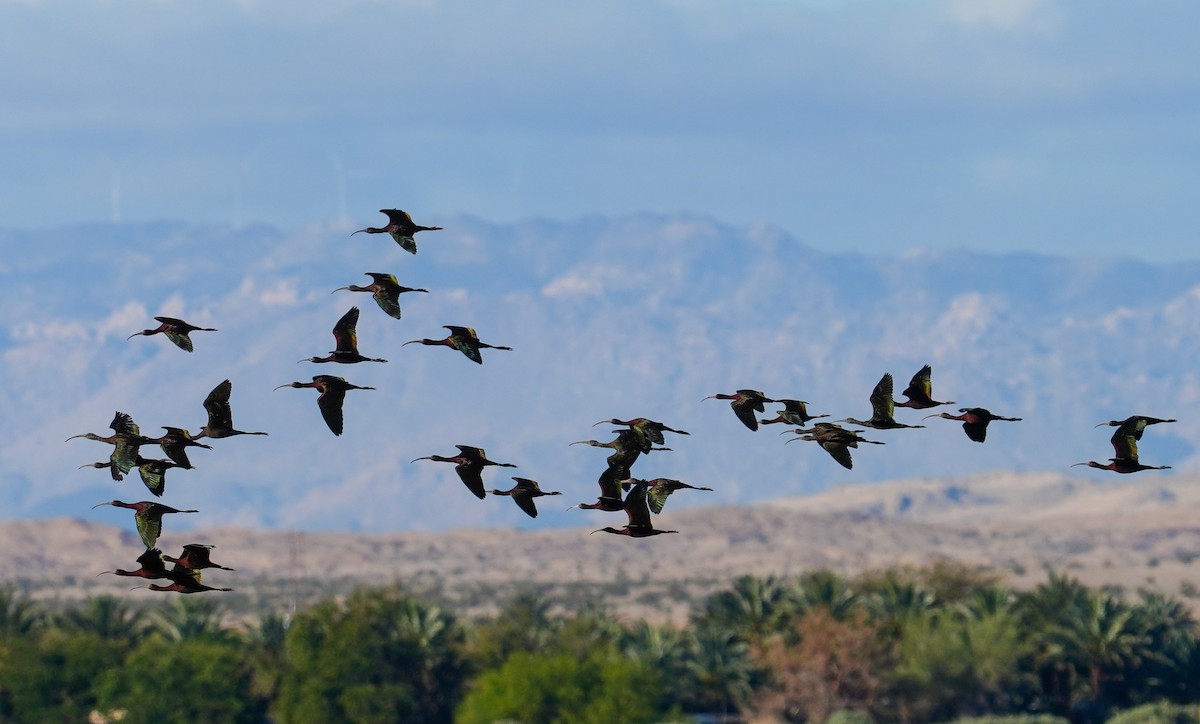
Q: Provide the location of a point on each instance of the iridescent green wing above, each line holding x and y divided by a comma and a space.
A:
153, 475
883, 406
389, 301
657, 497
182, 341
345, 331
405, 241
921, 386
468, 346
149, 527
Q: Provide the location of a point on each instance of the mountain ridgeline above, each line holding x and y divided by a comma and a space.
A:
607, 317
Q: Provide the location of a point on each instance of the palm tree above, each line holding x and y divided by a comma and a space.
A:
190, 617
667, 651
108, 617
18, 615
755, 608
722, 672
1103, 640
824, 589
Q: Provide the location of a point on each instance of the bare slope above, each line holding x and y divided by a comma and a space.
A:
1134, 532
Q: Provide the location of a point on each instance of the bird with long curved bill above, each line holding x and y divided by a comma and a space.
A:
386, 291
401, 228
744, 403
637, 509
974, 420
333, 394
523, 494
883, 407
469, 464
175, 330
345, 335
463, 339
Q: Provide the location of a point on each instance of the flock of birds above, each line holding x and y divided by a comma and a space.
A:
619, 491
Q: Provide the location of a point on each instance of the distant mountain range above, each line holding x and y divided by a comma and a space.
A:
608, 317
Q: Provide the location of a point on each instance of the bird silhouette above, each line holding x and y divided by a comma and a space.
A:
152, 472
346, 337
469, 464
1133, 425
386, 290
333, 394
175, 442
650, 430
523, 494
610, 499
835, 440
126, 439
659, 489
882, 408
175, 330
152, 566
220, 415
148, 517
185, 581
196, 556
975, 421
744, 404
401, 227
638, 510
919, 390
794, 412
1123, 465
627, 446
462, 339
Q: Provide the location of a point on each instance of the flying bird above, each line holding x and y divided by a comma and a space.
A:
1133, 425
882, 408
152, 472
175, 442
346, 337
220, 415
462, 339
659, 489
523, 494
794, 412
333, 394
148, 517
650, 430
185, 581
152, 566
126, 439
469, 464
401, 227
386, 290
610, 490
835, 440
919, 391
638, 510
196, 556
1125, 446
175, 330
744, 404
975, 421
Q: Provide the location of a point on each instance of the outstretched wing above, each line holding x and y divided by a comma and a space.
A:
217, 406
920, 388
345, 331
330, 402
883, 405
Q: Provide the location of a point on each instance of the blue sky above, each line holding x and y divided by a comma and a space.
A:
871, 125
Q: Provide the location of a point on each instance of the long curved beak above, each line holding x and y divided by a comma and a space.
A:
412, 341
287, 385
97, 505
600, 423
358, 232
1077, 464
132, 335
73, 437
339, 289
416, 459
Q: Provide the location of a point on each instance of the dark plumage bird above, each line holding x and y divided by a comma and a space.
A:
919, 391
152, 566
883, 407
148, 517
386, 290
126, 439
401, 227
835, 440
185, 581
659, 489
1125, 446
469, 464
794, 412
650, 431
627, 446
745, 403
462, 339
1133, 425
152, 472
523, 494
220, 415
333, 394
196, 556
975, 421
174, 444
175, 330
638, 510
346, 338
610, 490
